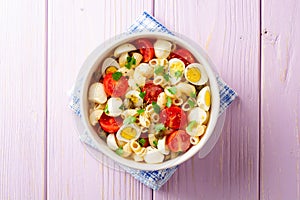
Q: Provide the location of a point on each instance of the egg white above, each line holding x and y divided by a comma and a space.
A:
135, 127
134, 96
172, 64
201, 99
203, 77
198, 114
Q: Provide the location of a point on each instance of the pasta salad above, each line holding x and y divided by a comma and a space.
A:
152, 101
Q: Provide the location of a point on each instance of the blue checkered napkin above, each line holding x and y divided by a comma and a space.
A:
152, 179
147, 22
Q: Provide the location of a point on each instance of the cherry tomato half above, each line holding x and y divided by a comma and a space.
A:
115, 88
152, 92
184, 55
146, 49
110, 124
178, 141
173, 117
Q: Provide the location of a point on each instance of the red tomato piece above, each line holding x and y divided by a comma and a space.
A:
184, 55
115, 88
178, 141
173, 117
110, 124
152, 92
146, 49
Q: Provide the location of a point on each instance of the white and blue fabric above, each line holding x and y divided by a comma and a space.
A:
152, 179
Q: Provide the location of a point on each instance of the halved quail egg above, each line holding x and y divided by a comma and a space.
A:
198, 114
196, 74
176, 69
110, 65
134, 97
203, 98
128, 132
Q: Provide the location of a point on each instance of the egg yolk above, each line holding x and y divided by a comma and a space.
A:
134, 99
128, 133
110, 69
193, 74
207, 98
176, 66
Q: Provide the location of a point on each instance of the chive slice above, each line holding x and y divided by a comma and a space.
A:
191, 126
116, 76
140, 111
142, 94
129, 120
156, 107
142, 141
159, 70
169, 102
172, 90
119, 151
160, 127
191, 103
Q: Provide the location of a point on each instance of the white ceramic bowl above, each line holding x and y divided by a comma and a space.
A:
92, 64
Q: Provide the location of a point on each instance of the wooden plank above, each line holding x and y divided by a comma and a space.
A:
22, 99
229, 31
75, 29
280, 141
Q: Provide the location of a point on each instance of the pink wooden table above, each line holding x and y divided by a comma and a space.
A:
255, 46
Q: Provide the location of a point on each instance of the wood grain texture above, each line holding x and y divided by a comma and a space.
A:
22, 99
32, 72
75, 29
280, 136
229, 31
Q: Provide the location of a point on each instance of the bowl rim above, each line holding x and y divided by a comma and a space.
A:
93, 61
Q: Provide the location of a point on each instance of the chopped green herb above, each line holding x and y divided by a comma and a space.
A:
169, 102
159, 70
122, 107
172, 90
191, 126
155, 143
167, 77
193, 94
116, 76
142, 141
142, 94
129, 120
140, 111
133, 60
156, 107
178, 74
119, 151
160, 127
130, 61
191, 103
138, 87
106, 109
